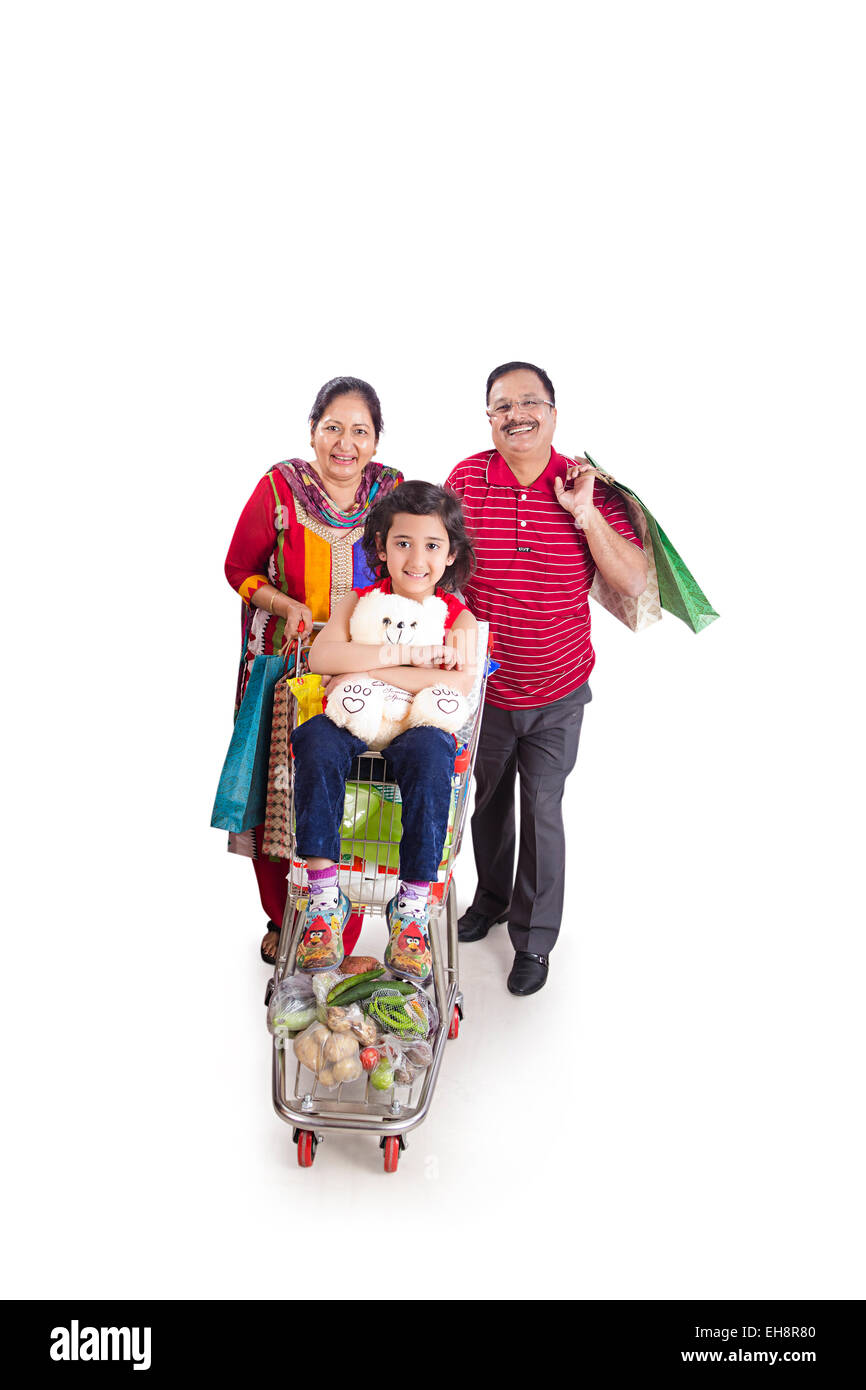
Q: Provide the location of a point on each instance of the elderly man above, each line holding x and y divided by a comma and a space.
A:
541, 524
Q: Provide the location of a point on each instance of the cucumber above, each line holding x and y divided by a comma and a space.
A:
363, 991
336, 994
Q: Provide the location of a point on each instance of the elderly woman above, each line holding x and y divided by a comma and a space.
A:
296, 551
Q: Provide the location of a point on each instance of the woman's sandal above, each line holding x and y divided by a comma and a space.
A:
273, 929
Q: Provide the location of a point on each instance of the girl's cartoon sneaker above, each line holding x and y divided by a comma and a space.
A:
321, 945
408, 951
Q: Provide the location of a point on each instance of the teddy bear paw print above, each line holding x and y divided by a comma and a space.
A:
446, 701
355, 697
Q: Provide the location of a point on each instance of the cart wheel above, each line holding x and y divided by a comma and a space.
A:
306, 1148
455, 1023
392, 1154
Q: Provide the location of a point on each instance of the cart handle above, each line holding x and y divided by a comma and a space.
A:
297, 644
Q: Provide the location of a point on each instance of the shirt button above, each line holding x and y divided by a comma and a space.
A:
523, 523
523, 496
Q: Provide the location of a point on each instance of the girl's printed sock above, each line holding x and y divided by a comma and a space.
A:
323, 887
413, 894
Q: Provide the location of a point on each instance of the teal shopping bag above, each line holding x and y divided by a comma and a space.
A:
243, 785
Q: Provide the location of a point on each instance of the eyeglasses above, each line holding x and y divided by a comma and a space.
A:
527, 403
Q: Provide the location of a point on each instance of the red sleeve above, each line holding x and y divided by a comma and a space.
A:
253, 543
456, 481
612, 508
455, 608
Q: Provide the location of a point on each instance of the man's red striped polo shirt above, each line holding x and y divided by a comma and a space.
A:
534, 573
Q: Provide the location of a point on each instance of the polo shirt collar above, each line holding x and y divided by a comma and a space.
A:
498, 474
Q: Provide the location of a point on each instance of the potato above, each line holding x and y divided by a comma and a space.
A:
308, 1045
348, 1070
340, 1045
338, 1019
366, 1031
327, 1077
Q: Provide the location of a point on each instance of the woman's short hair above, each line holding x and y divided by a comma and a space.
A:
347, 386
422, 499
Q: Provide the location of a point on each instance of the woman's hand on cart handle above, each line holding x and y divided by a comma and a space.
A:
298, 619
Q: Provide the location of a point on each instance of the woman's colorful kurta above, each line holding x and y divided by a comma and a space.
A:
278, 541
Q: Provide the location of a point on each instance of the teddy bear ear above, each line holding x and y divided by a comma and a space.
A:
436, 607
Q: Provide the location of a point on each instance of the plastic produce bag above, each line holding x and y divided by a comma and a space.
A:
384, 1066
340, 1060
309, 1046
332, 1057
418, 1054
394, 1050
292, 1006
322, 985
343, 1020
425, 1003
400, 1014
396, 1063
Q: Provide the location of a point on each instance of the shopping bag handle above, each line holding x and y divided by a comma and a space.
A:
297, 643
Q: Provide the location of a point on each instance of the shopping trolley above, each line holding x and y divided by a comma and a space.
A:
368, 875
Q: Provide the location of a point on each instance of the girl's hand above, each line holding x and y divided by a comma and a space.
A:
446, 658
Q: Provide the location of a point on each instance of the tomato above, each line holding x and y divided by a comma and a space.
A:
369, 1057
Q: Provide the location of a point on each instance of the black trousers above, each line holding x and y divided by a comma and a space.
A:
540, 745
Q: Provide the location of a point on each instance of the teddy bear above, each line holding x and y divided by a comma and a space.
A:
376, 711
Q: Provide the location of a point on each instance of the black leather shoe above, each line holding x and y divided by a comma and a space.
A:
528, 973
475, 924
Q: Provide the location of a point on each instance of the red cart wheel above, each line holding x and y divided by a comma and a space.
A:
455, 1023
306, 1152
392, 1155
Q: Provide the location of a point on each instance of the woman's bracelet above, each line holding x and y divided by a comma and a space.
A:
271, 604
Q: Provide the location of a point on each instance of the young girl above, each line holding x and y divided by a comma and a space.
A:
416, 541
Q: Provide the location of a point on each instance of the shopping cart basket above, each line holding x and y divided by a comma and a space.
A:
368, 875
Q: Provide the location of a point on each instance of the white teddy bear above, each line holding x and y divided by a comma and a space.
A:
378, 712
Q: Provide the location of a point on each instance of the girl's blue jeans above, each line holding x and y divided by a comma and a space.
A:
421, 761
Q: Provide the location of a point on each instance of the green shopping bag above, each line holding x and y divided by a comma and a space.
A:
670, 583
372, 825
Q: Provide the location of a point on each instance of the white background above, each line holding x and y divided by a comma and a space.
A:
214, 208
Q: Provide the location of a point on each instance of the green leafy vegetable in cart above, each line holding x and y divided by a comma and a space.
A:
396, 1015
